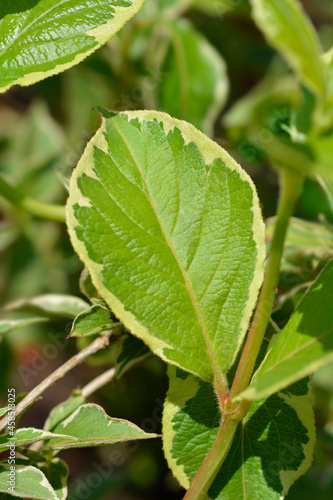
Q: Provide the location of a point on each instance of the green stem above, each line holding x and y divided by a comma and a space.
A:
34, 207
291, 184
213, 461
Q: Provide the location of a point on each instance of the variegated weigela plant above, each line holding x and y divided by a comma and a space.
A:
170, 231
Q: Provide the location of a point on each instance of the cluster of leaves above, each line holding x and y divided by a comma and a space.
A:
171, 233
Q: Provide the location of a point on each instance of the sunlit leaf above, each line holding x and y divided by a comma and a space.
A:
170, 229
288, 29
39, 38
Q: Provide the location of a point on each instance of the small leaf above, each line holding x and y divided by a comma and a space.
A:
3, 411
165, 9
25, 436
304, 345
94, 320
8, 234
131, 351
272, 447
8, 325
306, 237
91, 426
52, 305
195, 85
86, 285
288, 29
42, 38
170, 229
29, 482
63, 410
57, 472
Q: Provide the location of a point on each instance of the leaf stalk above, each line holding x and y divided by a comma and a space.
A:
291, 185
213, 461
233, 412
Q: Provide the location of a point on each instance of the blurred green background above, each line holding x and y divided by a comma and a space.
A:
195, 62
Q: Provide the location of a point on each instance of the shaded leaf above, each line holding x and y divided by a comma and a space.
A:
195, 85
57, 472
8, 325
131, 351
170, 229
272, 446
30, 483
86, 285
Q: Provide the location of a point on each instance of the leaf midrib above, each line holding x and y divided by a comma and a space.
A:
218, 378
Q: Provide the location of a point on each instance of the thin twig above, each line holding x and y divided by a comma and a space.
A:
95, 346
86, 391
98, 382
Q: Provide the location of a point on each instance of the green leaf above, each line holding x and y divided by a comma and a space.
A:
89, 425
164, 9
306, 237
304, 345
289, 30
86, 285
8, 234
63, 410
216, 7
3, 411
95, 320
42, 38
196, 85
52, 305
36, 140
131, 351
57, 472
30, 482
170, 229
8, 325
26, 436
272, 447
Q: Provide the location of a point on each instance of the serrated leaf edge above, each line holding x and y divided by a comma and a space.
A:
101, 34
210, 151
